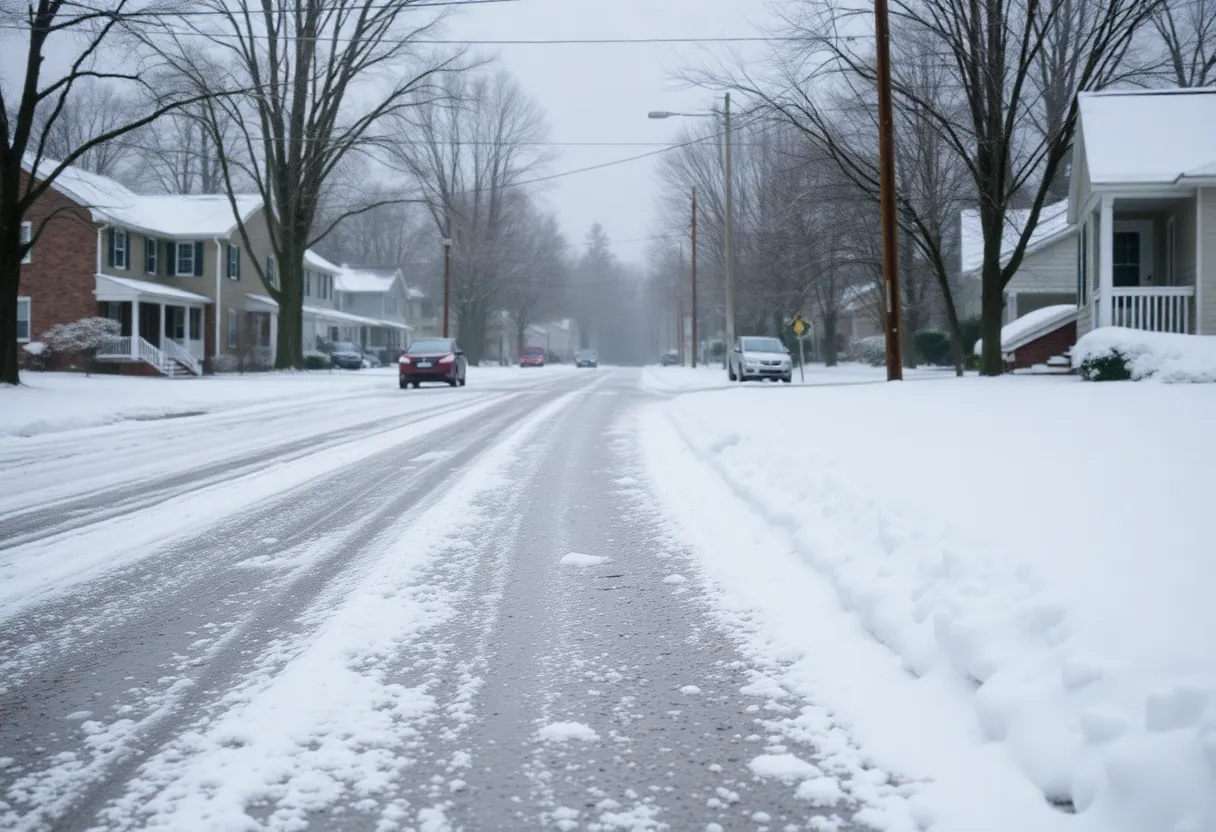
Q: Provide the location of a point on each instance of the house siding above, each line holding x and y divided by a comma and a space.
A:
1185, 266
58, 280
1050, 270
1206, 300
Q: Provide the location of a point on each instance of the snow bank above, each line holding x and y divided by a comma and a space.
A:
1160, 356
1004, 609
1031, 325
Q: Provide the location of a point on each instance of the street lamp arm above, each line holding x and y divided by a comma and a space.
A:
660, 114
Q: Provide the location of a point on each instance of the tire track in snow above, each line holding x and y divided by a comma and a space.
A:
188, 589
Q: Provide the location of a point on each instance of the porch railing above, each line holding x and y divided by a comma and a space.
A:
1153, 308
129, 348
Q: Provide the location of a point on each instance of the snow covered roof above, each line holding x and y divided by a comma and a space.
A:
1053, 225
1148, 136
315, 261
166, 215
366, 278
334, 315
1032, 325
109, 286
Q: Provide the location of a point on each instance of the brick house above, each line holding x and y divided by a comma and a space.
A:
171, 269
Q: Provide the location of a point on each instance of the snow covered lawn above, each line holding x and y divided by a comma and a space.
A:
1002, 589
713, 377
54, 402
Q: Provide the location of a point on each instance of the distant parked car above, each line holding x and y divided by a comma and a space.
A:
432, 359
587, 358
759, 357
346, 355
370, 359
532, 357
670, 358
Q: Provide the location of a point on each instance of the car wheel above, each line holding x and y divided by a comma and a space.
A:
454, 380
405, 385
787, 379
730, 373
417, 384
464, 380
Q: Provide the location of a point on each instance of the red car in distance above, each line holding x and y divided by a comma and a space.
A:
532, 357
432, 359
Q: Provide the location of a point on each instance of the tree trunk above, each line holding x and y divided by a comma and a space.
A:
992, 306
289, 346
471, 329
10, 276
829, 339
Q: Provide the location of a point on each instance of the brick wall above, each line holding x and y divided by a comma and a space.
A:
1044, 347
59, 279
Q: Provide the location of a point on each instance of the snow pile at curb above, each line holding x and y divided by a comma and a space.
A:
1048, 630
1160, 356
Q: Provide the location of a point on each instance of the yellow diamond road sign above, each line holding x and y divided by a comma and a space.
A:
799, 325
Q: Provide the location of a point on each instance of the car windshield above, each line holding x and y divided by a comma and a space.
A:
345, 346
533, 351
433, 345
587, 354
762, 345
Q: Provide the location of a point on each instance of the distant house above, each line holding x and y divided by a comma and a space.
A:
1143, 195
860, 316
380, 297
172, 270
1047, 275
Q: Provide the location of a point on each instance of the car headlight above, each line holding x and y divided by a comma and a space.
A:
447, 359
405, 359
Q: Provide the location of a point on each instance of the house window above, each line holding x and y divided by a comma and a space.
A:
307, 284
390, 306
185, 258
151, 254
234, 262
234, 328
119, 258
1125, 257
27, 234
272, 275
175, 323
196, 324
327, 286
23, 320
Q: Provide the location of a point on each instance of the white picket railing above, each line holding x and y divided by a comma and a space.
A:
139, 349
1153, 308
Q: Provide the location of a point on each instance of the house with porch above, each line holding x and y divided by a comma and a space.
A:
1143, 197
1047, 276
171, 270
380, 298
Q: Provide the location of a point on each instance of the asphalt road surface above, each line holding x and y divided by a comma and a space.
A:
458, 609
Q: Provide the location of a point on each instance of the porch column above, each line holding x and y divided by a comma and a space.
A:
1200, 271
188, 333
274, 336
134, 328
1106, 262
161, 345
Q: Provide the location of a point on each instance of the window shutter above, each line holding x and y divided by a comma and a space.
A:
229, 272
110, 239
238, 263
198, 259
171, 258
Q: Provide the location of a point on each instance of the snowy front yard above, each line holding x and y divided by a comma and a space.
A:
1002, 589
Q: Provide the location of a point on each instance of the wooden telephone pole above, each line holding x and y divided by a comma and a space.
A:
886, 168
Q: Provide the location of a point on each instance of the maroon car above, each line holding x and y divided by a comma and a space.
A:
432, 359
532, 357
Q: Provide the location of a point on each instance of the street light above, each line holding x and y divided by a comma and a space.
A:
729, 243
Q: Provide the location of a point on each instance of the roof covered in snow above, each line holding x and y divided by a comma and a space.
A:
1033, 325
166, 215
367, 278
315, 261
1148, 136
853, 297
1053, 225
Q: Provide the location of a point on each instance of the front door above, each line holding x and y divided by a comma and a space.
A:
175, 324
149, 323
1132, 253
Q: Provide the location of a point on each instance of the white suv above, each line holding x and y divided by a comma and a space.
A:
760, 357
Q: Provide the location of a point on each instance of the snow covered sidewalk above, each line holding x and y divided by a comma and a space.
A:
1001, 589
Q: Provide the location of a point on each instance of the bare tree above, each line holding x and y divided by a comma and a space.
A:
538, 268
180, 155
95, 110
318, 80
1187, 29
31, 109
470, 154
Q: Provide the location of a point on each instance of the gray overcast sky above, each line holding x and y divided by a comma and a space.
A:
594, 93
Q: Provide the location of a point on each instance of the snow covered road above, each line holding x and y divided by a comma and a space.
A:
458, 609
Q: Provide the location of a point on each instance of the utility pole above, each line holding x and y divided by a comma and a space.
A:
886, 164
447, 285
695, 345
729, 243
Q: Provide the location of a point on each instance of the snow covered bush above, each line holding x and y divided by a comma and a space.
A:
84, 337
872, 350
317, 361
1116, 353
